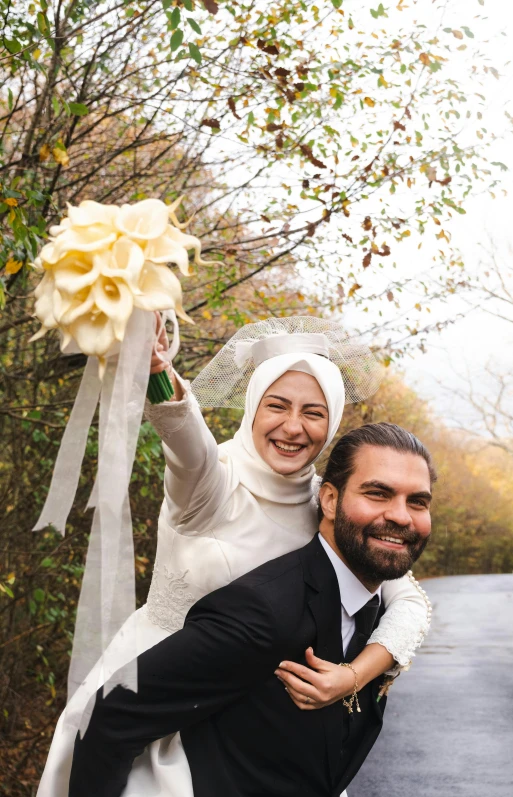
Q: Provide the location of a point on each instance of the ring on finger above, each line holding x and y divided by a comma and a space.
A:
308, 700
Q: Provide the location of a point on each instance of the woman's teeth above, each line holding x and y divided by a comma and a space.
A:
287, 447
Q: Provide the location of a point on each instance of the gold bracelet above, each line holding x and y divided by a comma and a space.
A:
354, 697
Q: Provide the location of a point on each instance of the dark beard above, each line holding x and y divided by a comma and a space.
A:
371, 564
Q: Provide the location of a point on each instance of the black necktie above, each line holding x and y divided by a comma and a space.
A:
364, 620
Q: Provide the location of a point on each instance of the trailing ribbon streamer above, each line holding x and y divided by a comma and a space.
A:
107, 597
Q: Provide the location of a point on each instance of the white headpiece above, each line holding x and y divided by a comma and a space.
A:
224, 381
253, 359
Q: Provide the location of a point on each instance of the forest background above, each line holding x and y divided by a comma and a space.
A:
312, 144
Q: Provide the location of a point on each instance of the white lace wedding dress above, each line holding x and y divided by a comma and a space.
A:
213, 529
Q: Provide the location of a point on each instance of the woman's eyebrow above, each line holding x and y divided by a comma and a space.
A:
288, 401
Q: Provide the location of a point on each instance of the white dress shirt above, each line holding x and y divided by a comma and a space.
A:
353, 595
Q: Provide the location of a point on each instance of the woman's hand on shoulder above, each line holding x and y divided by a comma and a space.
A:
317, 685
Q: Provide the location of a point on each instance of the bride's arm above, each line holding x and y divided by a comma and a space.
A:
389, 650
194, 480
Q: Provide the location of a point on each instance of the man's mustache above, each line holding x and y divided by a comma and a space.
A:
393, 530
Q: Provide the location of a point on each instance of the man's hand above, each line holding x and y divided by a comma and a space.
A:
320, 684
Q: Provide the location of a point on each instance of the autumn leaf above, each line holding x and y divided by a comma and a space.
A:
13, 266
367, 260
231, 106
207, 315
272, 127
214, 124
11, 202
265, 218
61, 156
424, 59
211, 6
399, 125
457, 34
270, 49
307, 152
44, 153
367, 223
390, 296
353, 289
369, 101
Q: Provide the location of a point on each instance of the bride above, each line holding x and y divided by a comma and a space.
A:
229, 508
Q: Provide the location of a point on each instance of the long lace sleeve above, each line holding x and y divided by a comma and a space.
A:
404, 625
194, 481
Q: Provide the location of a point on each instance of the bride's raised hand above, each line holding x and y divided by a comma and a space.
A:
161, 346
319, 684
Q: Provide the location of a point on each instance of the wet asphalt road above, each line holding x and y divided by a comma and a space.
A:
448, 727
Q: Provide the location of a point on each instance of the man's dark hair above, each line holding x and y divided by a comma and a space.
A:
341, 464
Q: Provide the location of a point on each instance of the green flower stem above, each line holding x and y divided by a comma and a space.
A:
160, 388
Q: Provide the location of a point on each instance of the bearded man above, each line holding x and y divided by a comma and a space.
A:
215, 681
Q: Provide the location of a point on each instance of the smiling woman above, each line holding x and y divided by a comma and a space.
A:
291, 423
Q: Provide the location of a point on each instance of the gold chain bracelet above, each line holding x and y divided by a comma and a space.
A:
354, 697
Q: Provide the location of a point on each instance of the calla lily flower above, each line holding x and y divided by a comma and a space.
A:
102, 261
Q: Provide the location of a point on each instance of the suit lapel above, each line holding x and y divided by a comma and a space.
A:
324, 605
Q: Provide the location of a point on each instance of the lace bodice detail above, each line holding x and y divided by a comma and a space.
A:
169, 598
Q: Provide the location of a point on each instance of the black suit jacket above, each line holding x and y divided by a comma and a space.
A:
214, 681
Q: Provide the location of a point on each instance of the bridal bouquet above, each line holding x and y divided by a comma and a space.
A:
105, 271
100, 263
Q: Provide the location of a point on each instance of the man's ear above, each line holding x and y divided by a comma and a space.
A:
328, 497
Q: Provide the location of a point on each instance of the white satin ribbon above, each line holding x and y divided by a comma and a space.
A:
274, 345
107, 597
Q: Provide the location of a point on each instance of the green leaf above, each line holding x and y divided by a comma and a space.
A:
467, 32
47, 562
188, 5
56, 106
12, 45
42, 23
379, 12
195, 53
39, 595
6, 589
10, 99
194, 25
78, 109
175, 18
166, 4
501, 165
337, 3
176, 40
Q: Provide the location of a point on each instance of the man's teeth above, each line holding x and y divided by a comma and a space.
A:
287, 447
392, 539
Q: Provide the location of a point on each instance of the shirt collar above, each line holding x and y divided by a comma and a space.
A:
353, 594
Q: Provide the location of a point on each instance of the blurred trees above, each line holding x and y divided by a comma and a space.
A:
309, 143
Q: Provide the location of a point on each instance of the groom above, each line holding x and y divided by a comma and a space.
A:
215, 680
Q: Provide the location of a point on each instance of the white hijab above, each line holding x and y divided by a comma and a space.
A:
255, 474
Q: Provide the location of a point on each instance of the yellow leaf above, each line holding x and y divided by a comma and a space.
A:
36, 53
457, 34
207, 314
44, 153
424, 59
369, 101
383, 82
11, 201
13, 266
61, 156
353, 289
418, 307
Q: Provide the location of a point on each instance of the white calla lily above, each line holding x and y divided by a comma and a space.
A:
114, 298
124, 261
160, 290
102, 261
89, 213
143, 221
75, 271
